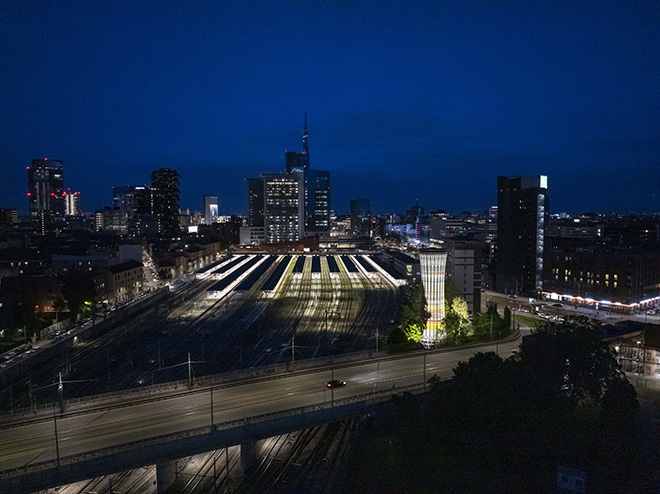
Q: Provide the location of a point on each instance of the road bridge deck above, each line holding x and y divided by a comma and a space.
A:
124, 428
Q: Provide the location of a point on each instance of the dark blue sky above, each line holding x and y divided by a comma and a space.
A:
406, 100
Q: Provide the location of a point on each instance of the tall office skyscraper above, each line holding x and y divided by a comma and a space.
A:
316, 192
318, 200
72, 203
255, 201
124, 198
284, 207
210, 209
165, 190
46, 188
521, 213
361, 217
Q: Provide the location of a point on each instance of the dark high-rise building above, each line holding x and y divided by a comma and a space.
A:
46, 188
299, 161
255, 201
317, 188
414, 214
165, 190
124, 198
521, 206
361, 217
143, 201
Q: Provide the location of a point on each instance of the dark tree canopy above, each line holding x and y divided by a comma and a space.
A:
78, 290
506, 425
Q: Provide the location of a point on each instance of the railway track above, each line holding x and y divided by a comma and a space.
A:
317, 310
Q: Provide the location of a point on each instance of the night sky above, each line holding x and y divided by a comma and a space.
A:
405, 100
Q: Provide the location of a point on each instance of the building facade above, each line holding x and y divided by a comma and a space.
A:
72, 203
361, 217
46, 187
602, 274
255, 202
124, 198
124, 281
433, 264
165, 191
464, 270
521, 219
317, 186
284, 212
210, 209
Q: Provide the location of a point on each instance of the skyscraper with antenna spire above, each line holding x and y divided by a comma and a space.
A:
305, 145
290, 205
316, 188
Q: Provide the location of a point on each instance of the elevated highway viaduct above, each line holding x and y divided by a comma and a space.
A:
38, 452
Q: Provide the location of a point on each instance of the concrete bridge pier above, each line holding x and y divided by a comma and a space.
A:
249, 453
165, 475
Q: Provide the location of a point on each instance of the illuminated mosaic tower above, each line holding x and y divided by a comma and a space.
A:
432, 264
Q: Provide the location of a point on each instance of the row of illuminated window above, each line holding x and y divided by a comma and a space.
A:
588, 274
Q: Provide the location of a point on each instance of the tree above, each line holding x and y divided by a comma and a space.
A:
489, 323
164, 275
412, 319
59, 305
506, 322
457, 320
504, 425
79, 291
572, 357
413, 332
414, 312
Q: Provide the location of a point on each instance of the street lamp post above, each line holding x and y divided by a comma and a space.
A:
424, 372
212, 424
332, 387
57, 443
189, 372
60, 393
377, 341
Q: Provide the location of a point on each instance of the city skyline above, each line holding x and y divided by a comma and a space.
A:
431, 103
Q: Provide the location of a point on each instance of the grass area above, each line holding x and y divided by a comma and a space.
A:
527, 320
